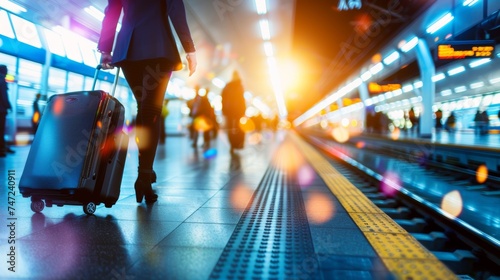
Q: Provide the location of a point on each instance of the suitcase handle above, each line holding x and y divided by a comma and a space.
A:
115, 82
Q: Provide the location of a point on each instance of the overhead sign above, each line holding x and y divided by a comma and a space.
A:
465, 49
377, 88
345, 5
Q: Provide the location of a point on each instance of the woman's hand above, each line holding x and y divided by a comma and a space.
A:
192, 62
106, 60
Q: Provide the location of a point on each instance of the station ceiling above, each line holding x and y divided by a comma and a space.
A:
316, 43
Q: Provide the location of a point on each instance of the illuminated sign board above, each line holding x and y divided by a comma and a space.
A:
376, 88
465, 49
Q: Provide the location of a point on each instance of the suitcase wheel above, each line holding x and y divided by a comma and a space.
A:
37, 206
89, 208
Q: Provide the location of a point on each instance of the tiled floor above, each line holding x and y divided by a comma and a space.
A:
201, 198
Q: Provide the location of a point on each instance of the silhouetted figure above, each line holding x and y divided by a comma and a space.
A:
413, 120
486, 123
5, 108
477, 122
233, 109
450, 123
439, 118
37, 115
203, 118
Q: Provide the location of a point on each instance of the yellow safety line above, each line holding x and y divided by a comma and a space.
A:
402, 254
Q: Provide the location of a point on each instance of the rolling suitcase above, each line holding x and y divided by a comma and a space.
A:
78, 153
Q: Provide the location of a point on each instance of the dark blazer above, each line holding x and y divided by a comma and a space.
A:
145, 31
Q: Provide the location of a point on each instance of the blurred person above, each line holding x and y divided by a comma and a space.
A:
203, 116
5, 108
477, 122
450, 123
413, 119
146, 51
233, 109
485, 122
189, 104
35, 120
439, 117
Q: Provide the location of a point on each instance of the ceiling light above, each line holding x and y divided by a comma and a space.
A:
218, 83
365, 76
446, 92
457, 70
391, 58
261, 6
407, 88
268, 48
494, 81
12, 7
418, 84
410, 45
479, 62
476, 85
439, 23
469, 2
93, 11
460, 89
438, 77
376, 68
264, 29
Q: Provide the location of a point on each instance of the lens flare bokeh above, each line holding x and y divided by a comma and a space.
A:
58, 106
255, 138
340, 134
481, 174
305, 176
240, 196
452, 203
247, 125
391, 184
395, 134
320, 209
202, 124
360, 145
289, 157
141, 137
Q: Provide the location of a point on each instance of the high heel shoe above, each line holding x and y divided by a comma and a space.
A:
139, 190
151, 197
143, 189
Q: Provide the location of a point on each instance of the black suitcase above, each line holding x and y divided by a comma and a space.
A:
78, 153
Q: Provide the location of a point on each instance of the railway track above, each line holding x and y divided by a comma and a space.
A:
467, 251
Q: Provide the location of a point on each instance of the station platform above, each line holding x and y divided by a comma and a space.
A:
275, 210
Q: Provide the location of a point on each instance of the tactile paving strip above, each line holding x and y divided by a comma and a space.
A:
272, 240
401, 253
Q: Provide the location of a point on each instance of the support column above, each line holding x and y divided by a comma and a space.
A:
44, 82
364, 95
427, 71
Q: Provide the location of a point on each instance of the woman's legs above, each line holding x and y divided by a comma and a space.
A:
148, 81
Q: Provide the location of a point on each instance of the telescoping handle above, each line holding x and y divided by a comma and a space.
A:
115, 82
